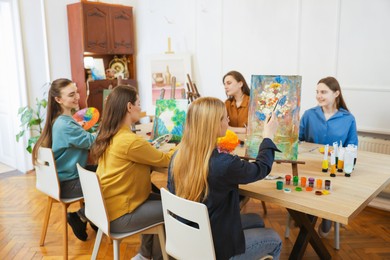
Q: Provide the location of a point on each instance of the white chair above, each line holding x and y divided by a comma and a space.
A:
95, 211
184, 241
48, 183
336, 232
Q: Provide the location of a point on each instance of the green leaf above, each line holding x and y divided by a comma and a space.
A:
34, 121
21, 110
26, 117
20, 134
44, 103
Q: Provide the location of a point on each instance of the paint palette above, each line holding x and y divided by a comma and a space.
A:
160, 141
87, 117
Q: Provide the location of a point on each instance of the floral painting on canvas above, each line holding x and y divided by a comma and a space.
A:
282, 94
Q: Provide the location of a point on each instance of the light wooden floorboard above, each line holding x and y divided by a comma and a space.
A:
22, 209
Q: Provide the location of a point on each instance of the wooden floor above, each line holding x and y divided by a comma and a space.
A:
22, 209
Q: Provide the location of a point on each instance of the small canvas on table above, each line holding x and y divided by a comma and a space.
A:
170, 118
266, 91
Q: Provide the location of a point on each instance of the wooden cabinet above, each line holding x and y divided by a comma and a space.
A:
97, 88
104, 31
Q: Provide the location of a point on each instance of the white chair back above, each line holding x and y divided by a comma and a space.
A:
46, 172
184, 241
95, 208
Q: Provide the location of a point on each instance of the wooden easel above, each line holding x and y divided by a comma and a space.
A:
294, 164
192, 90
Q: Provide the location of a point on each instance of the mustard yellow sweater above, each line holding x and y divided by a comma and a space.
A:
124, 171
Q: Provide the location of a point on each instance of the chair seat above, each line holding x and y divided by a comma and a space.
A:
71, 200
127, 234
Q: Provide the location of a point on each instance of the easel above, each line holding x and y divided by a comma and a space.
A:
294, 164
192, 90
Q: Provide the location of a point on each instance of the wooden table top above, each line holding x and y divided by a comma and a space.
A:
349, 195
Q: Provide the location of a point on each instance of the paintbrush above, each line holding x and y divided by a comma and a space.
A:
277, 102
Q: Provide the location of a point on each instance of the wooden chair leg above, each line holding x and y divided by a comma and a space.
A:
65, 223
46, 220
161, 238
264, 207
287, 231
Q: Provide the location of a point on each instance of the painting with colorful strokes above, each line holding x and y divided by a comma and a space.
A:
170, 118
282, 94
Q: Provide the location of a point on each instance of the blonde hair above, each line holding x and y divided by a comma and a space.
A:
191, 163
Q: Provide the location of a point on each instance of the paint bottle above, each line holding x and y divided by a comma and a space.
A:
311, 182
327, 184
332, 164
319, 184
348, 161
354, 149
336, 152
295, 180
303, 181
325, 160
288, 179
340, 163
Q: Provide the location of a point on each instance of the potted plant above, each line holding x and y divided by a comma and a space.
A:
32, 120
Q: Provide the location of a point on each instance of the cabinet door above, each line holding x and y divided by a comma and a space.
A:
96, 89
96, 28
122, 30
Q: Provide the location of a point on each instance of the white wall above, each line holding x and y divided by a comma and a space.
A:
348, 39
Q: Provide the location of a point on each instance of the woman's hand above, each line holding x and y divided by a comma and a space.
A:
270, 126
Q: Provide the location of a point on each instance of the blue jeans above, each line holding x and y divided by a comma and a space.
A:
259, 242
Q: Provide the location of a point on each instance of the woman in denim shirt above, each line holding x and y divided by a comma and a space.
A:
327, 123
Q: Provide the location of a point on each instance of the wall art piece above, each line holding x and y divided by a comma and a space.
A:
282, 94
98, 71
170, 118
163, 68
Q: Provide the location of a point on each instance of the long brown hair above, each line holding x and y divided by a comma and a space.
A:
334, 85
115, 110
191, 163
53, 111
238, 76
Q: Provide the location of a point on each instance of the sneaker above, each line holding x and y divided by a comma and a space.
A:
78, 226
322, 233
139, 257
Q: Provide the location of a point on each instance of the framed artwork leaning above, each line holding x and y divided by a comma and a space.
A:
282, 94
170, 118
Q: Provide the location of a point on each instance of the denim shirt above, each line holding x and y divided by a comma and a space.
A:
315, 128
226, 172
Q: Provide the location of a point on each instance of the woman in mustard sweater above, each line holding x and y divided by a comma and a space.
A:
125, 161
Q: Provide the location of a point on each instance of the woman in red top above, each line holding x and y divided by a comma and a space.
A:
237, 104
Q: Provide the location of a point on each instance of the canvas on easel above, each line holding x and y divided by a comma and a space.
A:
170, 118
282, 93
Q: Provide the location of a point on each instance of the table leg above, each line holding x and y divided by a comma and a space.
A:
307, 234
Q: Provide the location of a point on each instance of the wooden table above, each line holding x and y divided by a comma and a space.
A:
349, 195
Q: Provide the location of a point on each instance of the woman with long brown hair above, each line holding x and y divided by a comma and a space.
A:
237, 104
70, 144
125, 161
199, 172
